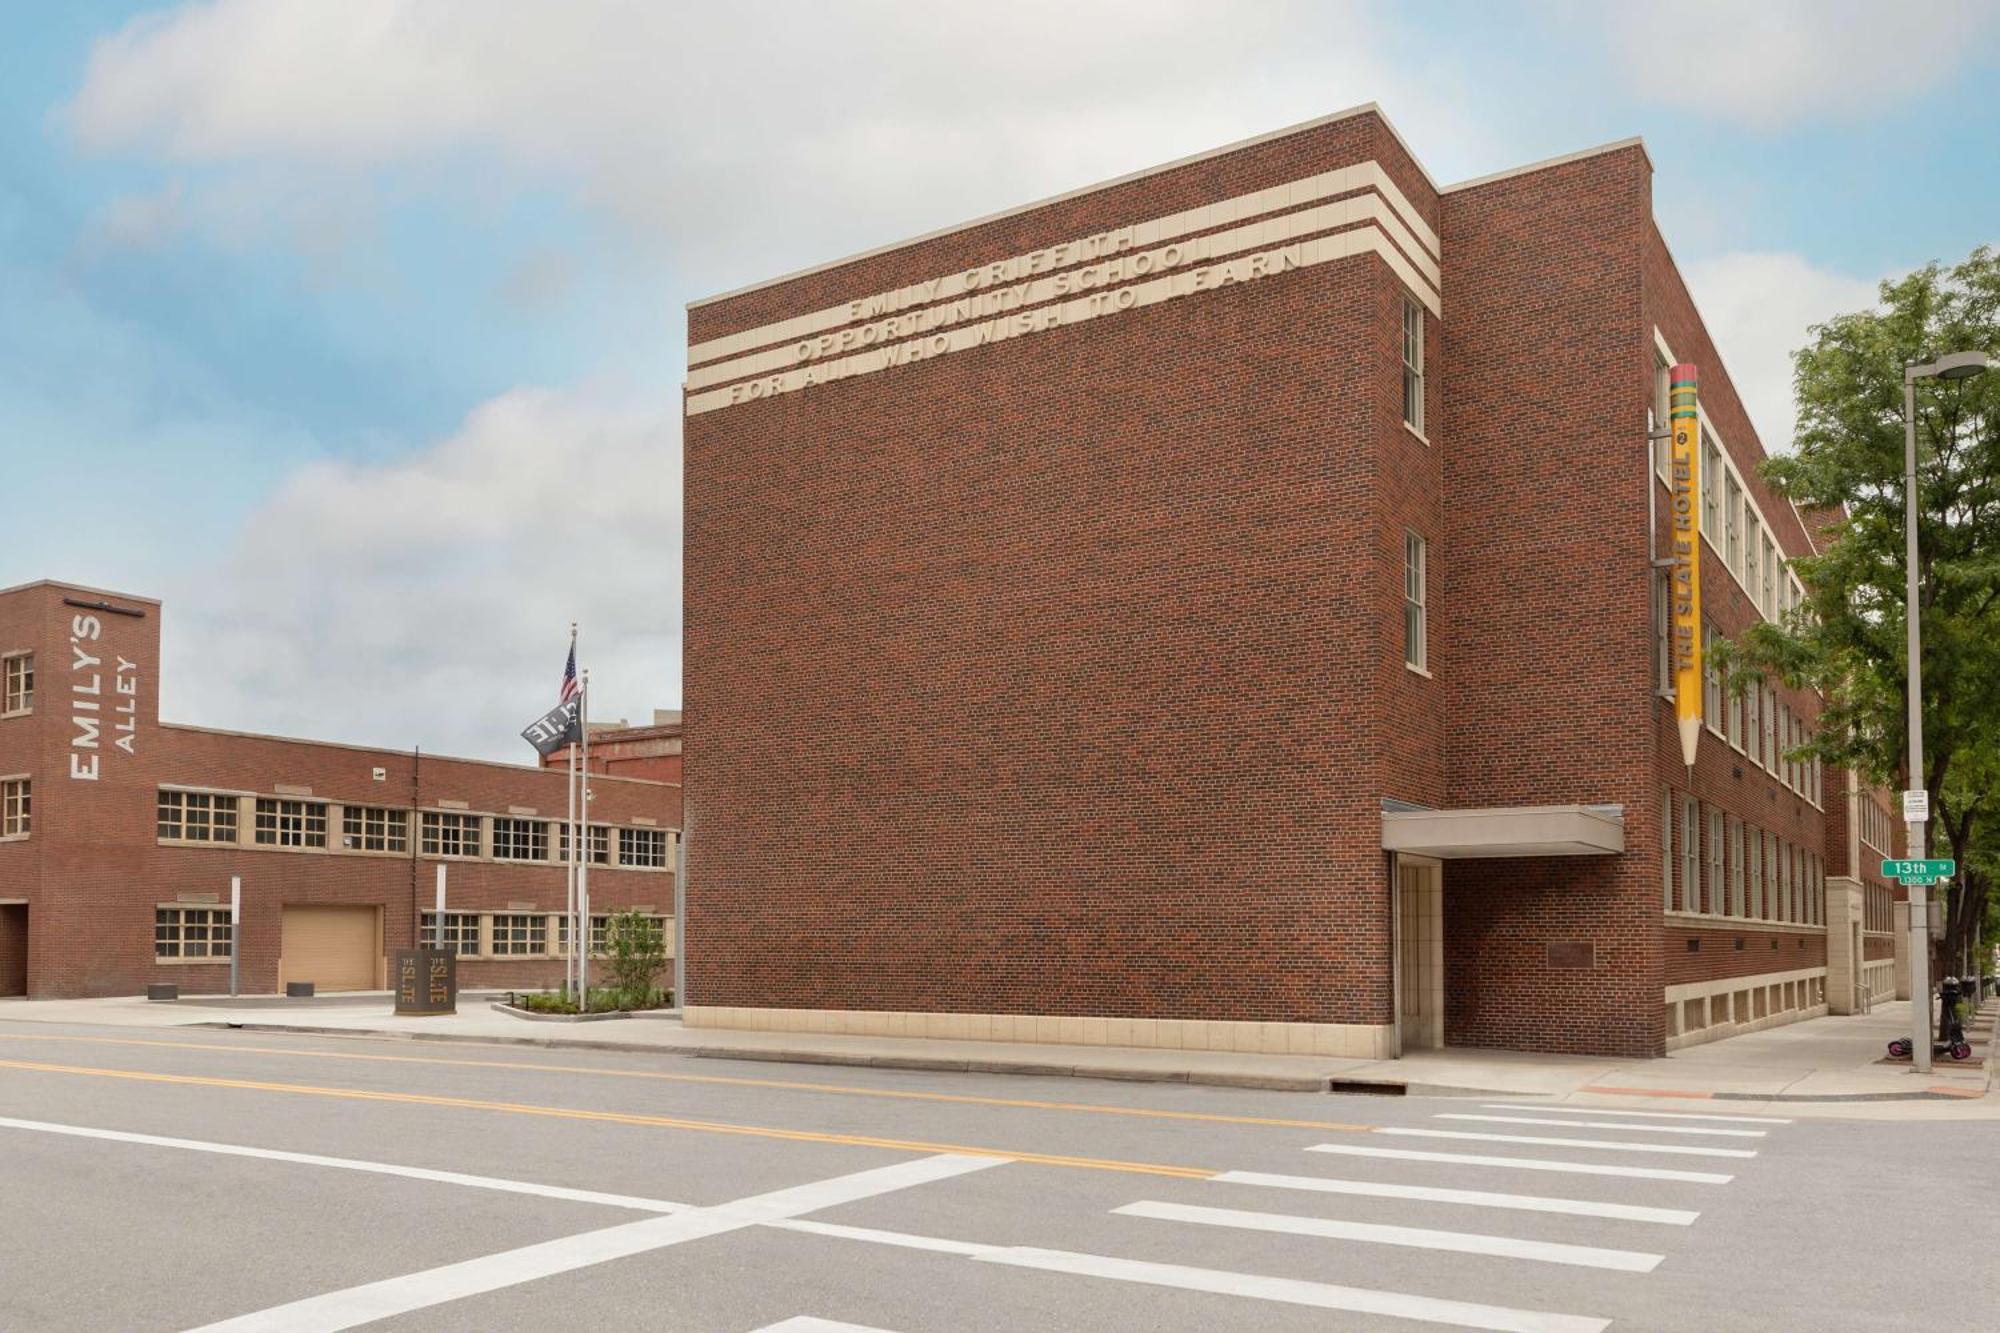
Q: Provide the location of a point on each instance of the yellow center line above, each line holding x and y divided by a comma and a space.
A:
623, 1118
788, 1085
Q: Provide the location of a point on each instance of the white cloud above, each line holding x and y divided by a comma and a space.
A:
751, 137
429, 599
1774, 63
1758, 306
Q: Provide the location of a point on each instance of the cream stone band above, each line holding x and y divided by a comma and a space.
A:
1365, 239
1363, 176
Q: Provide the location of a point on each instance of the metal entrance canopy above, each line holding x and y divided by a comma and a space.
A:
1518, 830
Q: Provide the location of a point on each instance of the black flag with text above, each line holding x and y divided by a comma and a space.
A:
560, 726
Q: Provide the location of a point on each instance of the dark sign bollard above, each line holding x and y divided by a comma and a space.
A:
426, 982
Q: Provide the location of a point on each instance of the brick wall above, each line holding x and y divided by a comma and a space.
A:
1044, 677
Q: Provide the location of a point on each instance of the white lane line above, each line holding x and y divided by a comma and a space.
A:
1526, 1203
1527, 1164
1279, 1290
1415, 1238
1536, 1140
805, 1323
1292, 1291
1654, 1115
1606, 1124
352, 1164
964, 1248
436, 1286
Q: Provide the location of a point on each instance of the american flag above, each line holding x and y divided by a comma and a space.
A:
569, 675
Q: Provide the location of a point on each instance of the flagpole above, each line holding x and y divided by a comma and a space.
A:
575, 849
583, 865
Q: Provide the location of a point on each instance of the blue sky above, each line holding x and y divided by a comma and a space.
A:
306, 306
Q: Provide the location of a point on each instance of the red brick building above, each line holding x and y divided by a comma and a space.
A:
120, 833
649, 750
1217, 608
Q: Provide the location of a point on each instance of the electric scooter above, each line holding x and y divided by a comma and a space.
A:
1949, 1036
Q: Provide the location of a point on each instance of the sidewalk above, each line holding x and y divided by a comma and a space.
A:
1821, 1067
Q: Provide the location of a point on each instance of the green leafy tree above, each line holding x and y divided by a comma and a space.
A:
636, 950
1848, 642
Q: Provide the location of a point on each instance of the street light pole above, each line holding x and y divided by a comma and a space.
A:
1954, 366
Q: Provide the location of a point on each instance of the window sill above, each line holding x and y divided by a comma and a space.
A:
15, 837
192, 962
1756, 925
17, 712
1409, 667
1421, 438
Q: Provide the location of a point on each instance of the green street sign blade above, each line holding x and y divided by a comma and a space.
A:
1920, 881
1906, 870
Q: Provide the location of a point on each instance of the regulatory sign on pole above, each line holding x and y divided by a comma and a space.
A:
1916, 806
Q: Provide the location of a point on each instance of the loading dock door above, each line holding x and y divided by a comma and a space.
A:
335, 948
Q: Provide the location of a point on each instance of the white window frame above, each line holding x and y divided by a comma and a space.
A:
1753, 711
1413, 365
1667, 848
1416, 614
1690, 854
1718, 888
1738, 902
1712, 711
17, 806
17, 684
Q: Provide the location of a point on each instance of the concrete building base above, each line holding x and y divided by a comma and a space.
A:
1354, 1041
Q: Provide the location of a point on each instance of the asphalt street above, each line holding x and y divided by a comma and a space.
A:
252, 1182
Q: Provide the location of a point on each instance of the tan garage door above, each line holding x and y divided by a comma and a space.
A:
335, 948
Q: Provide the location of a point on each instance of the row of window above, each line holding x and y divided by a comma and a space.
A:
17, 682
209, 932
17, 808
516, 934
1752, 874
1876, 828
1878, 908
1757, 722
1729, 518
214, 817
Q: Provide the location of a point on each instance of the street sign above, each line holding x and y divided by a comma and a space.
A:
1928, 871
1916, 806
1920, 882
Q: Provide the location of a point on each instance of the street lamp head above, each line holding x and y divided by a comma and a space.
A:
1950, 366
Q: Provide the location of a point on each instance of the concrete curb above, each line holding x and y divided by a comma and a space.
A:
1319, 1083
500, 1007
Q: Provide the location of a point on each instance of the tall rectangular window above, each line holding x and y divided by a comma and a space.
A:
1770, 567
1711, 488
1737, 903
1732, 517
282, 823
1750, 566
1785, 739
449, 834
1718, 891
1413, 364
17, 808
1656, 420
196, 816
1736, 717
520, 840
1753, 734
1753, 860
1690, 854
1711, 699
17, 695
1667, 851
1416, 648
1771, 726
1773, 886
1663, 635
374, 828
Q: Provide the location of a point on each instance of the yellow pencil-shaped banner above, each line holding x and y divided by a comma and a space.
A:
1685, 591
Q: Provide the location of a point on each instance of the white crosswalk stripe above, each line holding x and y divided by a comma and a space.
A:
808, 1324
1419, 1238
1526, 1203
1539, 1141
1650, 1115
1606, 1124
1527, 1164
